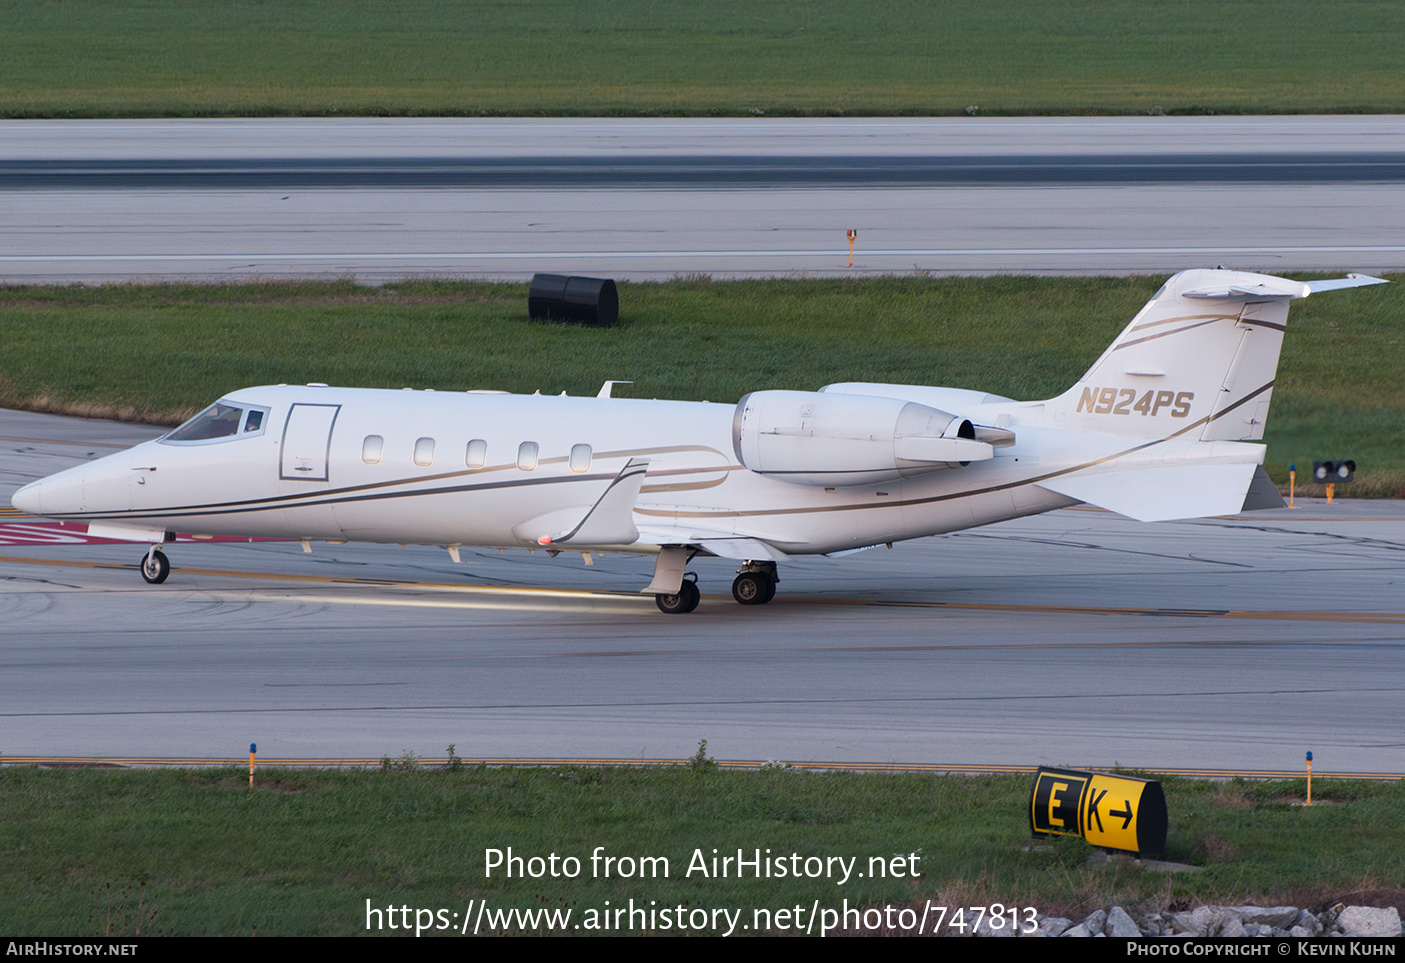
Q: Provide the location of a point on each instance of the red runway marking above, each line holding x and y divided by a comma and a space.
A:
35, 531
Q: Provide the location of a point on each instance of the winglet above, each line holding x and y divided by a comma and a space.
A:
610, 521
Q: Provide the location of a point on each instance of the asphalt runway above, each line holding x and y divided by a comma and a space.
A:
1076, 638
650, 199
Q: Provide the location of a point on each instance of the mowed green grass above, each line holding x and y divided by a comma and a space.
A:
93, 58
160, 353
197, 853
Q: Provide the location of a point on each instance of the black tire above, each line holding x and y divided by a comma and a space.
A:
753, 588
694, 596
155, 567
681, 604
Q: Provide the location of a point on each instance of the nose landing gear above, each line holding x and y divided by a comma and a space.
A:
155, 566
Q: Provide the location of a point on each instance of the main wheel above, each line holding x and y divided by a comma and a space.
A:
690, 589
155, 567
753, 588
770, 590
682, 603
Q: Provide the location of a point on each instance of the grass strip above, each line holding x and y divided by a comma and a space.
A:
195, 852
161, 352
181, 58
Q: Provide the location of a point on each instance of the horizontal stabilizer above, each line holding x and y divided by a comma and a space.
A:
1266, 286
1161, 494
1350, 281
1269, 287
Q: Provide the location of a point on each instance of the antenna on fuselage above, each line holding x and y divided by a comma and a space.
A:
607, 386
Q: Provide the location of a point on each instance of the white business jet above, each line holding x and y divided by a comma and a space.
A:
1155, 430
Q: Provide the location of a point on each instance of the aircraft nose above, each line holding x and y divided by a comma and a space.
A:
56, 496
28, 499
99, 486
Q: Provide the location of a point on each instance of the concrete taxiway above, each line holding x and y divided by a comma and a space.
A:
1076, 638
649, 199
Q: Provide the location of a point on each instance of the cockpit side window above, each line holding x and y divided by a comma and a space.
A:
220, 422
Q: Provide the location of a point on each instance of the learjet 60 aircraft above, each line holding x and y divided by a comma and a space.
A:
1158, 428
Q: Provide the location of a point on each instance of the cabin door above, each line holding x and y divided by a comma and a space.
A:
307, 442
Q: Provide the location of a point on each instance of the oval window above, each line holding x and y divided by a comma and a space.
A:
477, 455
424, 452
372, 448
580, 458
527, 455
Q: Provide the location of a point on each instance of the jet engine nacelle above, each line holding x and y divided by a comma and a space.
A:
814, 438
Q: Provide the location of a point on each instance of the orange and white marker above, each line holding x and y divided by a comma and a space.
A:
1309, 778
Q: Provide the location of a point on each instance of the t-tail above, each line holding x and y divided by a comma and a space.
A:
1186, 380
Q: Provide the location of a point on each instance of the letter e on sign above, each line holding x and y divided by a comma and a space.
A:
1054, 805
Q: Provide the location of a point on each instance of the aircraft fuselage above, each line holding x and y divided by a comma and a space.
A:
429, 467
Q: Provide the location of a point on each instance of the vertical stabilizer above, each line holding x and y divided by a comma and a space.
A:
1195, 365
1198, 360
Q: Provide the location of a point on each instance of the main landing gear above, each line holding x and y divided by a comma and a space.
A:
155, 566
682, 603
755, 583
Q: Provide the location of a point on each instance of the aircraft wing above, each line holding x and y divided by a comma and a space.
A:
745, 549
719, 543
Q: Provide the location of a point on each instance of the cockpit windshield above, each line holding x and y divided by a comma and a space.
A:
222, 420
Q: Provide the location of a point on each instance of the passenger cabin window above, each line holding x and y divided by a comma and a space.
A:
477, 454
424, 452
580, 458
221, 421
527, 455
372, 448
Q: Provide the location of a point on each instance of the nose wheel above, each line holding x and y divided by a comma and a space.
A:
155, 566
